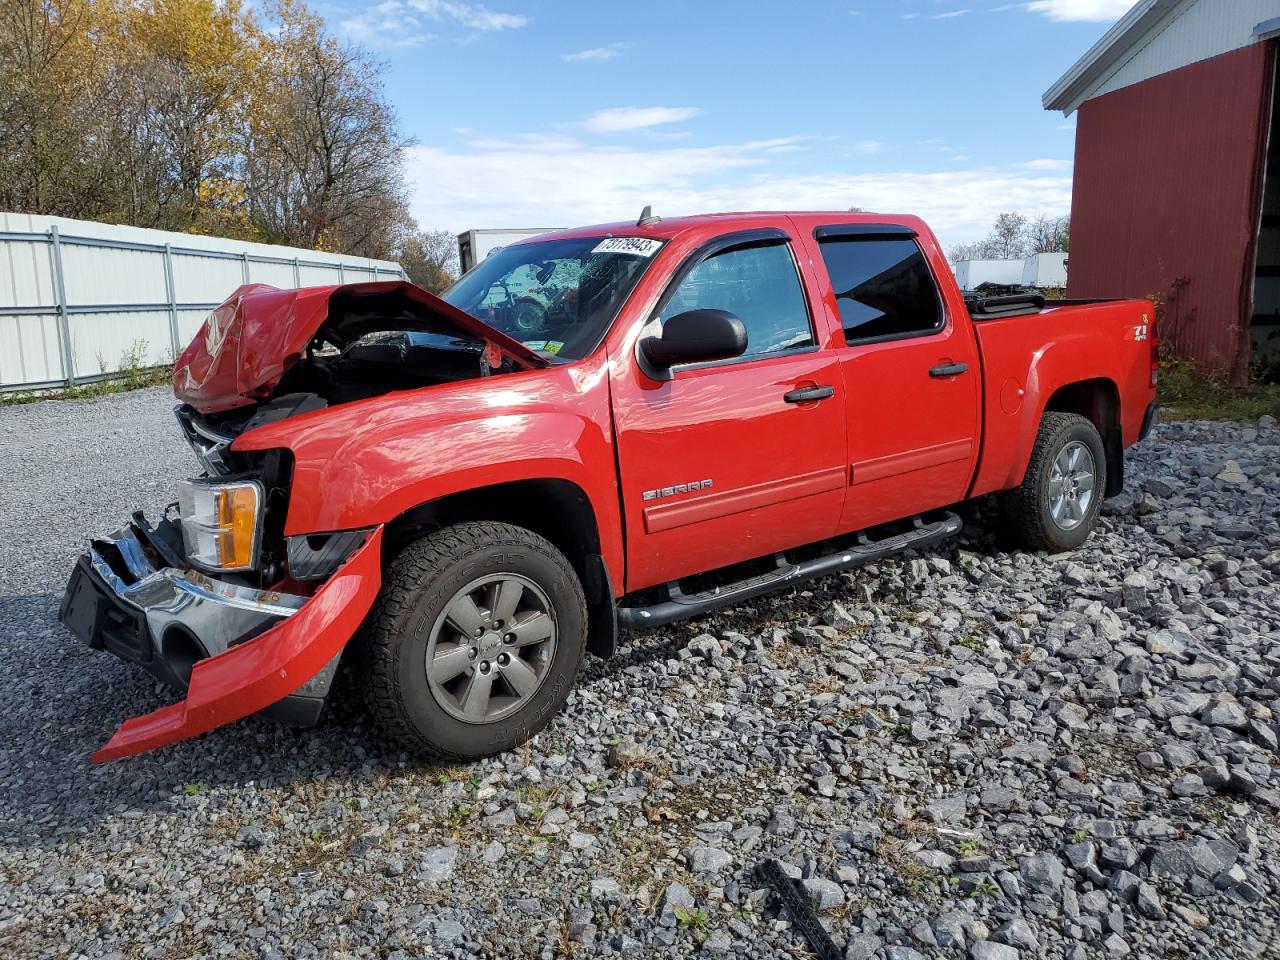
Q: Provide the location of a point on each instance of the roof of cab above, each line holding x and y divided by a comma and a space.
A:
668, 228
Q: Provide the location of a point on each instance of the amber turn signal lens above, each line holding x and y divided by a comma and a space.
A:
220, 523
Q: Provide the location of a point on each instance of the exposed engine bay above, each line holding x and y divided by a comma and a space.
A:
330, 346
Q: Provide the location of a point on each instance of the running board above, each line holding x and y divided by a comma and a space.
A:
680, 605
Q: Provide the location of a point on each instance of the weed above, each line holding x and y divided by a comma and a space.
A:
133, 379
194, 789
968, 847
985, 889
972, 643
1187, 393
695, 922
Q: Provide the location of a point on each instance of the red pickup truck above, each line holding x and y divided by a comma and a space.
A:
599, 429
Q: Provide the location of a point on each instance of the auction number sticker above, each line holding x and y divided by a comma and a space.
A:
636, 246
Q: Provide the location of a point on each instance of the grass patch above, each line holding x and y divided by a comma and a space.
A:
695, 922
1187, 394
127, 380
134, 374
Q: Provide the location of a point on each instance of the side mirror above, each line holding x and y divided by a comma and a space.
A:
696, 336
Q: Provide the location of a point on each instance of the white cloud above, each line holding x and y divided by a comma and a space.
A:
595, 54
539, 179
868, 146
1095, 10
400, 23
473, 16
622, 119
951, 13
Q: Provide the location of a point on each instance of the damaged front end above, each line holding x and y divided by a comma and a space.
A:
234, 650
216, 599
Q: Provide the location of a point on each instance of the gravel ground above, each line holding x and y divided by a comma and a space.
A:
977, 753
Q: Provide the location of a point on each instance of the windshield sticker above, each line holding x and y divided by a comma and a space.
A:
546, 346
636, 246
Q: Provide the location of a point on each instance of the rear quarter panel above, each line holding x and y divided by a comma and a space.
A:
1026, 360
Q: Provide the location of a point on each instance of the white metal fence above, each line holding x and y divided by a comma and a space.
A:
80, 300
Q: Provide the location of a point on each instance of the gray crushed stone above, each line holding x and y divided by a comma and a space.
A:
982, 753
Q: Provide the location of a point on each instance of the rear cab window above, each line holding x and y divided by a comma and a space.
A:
883, 286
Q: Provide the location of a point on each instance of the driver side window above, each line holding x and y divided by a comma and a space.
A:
759, 285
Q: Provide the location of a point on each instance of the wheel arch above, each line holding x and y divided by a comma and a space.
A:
552, 507
1097, 400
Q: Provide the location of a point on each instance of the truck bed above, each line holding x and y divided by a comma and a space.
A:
1018, 357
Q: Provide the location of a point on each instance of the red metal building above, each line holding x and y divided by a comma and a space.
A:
1174, 195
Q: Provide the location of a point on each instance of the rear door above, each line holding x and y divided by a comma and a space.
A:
911, 374
726, 461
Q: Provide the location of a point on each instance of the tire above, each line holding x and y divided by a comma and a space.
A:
1035, 516
419, 611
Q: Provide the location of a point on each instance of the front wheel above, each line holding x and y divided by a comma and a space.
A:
1056, 506
475, 641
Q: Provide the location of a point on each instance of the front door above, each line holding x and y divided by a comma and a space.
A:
731, 460
912, 378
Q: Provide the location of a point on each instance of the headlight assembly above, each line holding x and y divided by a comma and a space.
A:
221, 523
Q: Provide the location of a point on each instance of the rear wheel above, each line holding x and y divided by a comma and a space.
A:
475, 641
1056, 506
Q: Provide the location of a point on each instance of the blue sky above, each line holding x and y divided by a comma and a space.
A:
557, 114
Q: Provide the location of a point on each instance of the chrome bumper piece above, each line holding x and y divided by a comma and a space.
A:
180, 607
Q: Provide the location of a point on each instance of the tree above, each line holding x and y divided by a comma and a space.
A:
55, 93
1049, 234
224, 117
430, 258
323, 158
1009, 236
1013, 237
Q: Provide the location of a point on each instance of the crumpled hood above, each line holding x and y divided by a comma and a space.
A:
247, 343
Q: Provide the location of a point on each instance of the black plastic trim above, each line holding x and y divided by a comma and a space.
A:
308, 562
295, 710
680, 606
862, 230
100, 619
1148, 420
796, 901
602, 610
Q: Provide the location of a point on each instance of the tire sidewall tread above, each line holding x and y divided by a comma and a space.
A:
1026, 508
417, 585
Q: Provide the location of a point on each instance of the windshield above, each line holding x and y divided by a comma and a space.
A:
557, 297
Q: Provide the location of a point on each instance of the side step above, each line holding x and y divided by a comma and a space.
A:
680, 605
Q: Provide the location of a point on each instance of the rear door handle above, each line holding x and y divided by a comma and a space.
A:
948, 369
809, 394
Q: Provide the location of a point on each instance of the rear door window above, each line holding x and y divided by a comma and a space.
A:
883, 286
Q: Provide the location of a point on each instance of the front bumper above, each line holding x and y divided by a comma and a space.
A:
235, 650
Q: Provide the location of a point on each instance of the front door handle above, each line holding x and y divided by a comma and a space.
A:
809, 394
948, 369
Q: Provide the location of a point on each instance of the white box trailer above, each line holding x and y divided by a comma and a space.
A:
475, 245
970, 274
1043, 270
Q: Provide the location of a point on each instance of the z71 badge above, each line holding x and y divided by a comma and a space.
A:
677, 489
